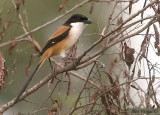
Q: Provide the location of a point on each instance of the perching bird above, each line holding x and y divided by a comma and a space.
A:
63, 39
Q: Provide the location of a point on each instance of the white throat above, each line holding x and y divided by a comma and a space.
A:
78, 24
76, 31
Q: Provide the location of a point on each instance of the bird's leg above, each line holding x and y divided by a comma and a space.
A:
53, 69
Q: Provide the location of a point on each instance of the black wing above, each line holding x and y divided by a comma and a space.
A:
54, 41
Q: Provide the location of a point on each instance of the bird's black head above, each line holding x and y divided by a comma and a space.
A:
78, 18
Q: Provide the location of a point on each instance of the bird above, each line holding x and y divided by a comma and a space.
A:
59, 42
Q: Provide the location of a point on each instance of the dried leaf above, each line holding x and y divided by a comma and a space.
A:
158, 8
49, 112
5, 27
108, 104
120, 21
153, 79
11, 46
158, 52
113, 63
61, 6
143, 53
115, 91
18, 4
156, 45
129, 57
94, 96
3, 71
144, 45
107, 99
55, 105
154, 8
91, 8
156, 34
158, 13
145, 40
110, 76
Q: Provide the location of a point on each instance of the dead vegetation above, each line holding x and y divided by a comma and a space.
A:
108, 89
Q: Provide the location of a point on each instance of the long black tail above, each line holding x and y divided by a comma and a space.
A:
26, 84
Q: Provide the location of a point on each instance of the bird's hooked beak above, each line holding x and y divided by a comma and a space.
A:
88, 21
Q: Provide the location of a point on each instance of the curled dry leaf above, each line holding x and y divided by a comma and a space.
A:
145, 40
156, 34
109, 95
3, 71
94, 96
115, 91
154, 8
144, 44
153, 79
119, 21
128, 53
158, 8
61, 6
158, 13
156, 43
111, 91
158, 51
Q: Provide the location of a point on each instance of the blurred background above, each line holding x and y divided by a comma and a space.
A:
17, 58
135, 84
